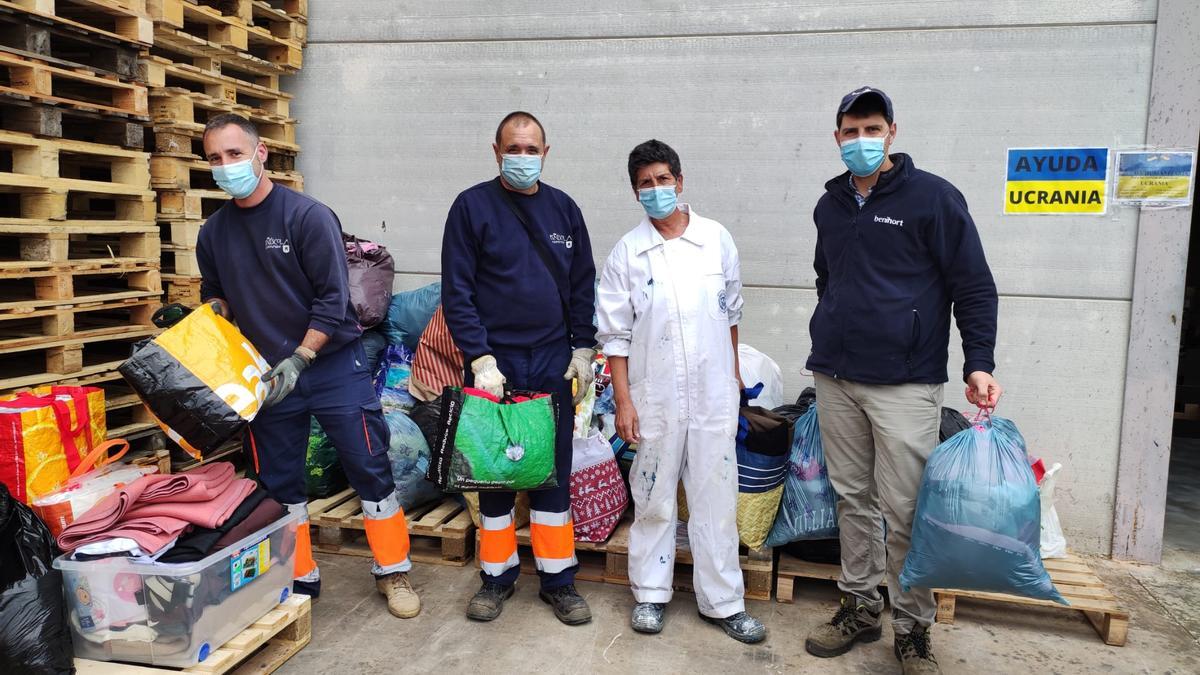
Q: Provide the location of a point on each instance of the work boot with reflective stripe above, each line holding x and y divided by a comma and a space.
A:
569, 606
488, 601
852, 623
402, 600
916, 652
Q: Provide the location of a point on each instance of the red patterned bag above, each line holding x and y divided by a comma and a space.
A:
598, 495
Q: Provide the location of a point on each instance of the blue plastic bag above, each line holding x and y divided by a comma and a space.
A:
391, 379
809, 506
409, 455
409, 313
978, 522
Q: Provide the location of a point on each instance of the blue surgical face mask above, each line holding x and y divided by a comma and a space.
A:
863, 155
238, 179
659, 202
521, 171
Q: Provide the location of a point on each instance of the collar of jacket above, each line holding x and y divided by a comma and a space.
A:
647, 237
890, 180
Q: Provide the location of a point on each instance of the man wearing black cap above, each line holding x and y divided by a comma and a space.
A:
896, 251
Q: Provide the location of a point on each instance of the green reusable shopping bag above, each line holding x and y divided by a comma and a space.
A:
485, 445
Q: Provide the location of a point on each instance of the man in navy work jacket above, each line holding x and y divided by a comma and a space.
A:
896, 250
273, 260
518, 291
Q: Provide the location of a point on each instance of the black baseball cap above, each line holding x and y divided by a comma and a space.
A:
850, 99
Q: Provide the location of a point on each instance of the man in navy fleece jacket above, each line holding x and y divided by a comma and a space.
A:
272, 260
523, 322
896, 252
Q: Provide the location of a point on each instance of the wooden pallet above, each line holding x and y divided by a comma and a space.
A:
124, 20
262, 648
200, 31
1072, 576
51, 245
57, 360
181, 289
65, 44
608, 562
21, 114
179, 107
176, 205
36, 79
160, 72
188, 141
440, 532
62, 325
34, 206
65, 165
108, 282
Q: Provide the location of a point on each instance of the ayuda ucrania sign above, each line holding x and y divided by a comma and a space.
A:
1056, 181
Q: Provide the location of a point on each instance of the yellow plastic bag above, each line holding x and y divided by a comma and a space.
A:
45, 434
201, 379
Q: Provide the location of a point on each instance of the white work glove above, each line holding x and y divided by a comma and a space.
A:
581, 369
488, 376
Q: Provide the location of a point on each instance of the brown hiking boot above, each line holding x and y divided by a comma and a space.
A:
852, 623
402, 600
916, 652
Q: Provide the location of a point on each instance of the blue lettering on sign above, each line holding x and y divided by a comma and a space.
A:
1057, 164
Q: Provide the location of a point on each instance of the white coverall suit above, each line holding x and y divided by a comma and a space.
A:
668, 306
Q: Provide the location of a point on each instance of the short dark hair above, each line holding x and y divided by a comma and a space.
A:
520, 116
653, 151
865, 106
225, 119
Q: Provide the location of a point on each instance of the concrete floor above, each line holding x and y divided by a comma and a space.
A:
353, 633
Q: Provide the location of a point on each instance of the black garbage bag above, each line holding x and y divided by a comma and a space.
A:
427, 416
952, 423
33, 621
793, 411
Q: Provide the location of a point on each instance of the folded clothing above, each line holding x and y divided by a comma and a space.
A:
156, 509
255, 512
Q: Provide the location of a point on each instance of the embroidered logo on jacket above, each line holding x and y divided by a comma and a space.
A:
284, 245
561, 239
889, 221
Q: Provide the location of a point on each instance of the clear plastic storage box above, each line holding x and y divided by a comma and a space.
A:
177, 614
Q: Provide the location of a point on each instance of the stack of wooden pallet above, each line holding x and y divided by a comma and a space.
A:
210, 57
79, 247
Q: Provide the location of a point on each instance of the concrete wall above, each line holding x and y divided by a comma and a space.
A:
399, 101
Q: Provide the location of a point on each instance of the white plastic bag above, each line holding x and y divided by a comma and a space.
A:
756, 367
1053, 544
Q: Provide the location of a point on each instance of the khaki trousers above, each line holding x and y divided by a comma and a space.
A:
876, 440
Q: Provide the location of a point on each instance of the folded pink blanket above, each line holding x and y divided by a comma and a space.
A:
155, 509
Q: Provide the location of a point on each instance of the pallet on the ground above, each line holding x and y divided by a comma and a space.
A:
22, 114
33, 247
37, 79
1072, 576
125, 20
160, 72
440, 532
758, 566
188, 141
608, 562
66, 44
262, 648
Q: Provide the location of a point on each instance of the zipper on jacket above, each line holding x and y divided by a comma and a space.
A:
914, 338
